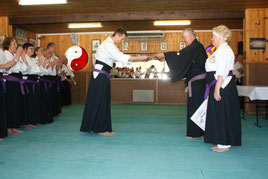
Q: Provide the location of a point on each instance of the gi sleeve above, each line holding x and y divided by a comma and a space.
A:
116, 54
179, 64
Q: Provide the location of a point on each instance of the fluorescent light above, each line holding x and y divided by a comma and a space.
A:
85, 25
41, 2
172, 22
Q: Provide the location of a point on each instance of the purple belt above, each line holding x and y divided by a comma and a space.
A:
211, 84
57, 82
15, 79
45, 81
198, 77
103, 72
34, 84
3, 84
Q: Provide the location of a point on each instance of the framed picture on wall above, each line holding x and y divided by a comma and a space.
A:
95, 44
21, 36
257, 43
124, 46
33, 41
144, 46
163, 46
93, 59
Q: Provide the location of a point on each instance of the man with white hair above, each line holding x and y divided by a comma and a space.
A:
189, 63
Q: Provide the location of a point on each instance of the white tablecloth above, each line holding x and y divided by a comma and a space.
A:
253, 92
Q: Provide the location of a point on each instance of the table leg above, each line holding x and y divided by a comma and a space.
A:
243, 108
257, 115
266, 110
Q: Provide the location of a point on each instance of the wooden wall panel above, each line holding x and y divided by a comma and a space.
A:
176, 93
122, 89
31, 35
266, 33
255, 28
172, 38
79, 91
9, 30
169, 92
85, 42
4, 25
260, 78
205, 38
164, 90
62, 42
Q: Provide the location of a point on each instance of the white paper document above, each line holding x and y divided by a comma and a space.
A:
199, 117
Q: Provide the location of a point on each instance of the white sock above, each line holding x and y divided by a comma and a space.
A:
223, 146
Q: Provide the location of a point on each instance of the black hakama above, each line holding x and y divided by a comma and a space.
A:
15, 109
189, 63
198, 91
33, 101
97, 112
55, 87
46, 98
65, 92
68, 89
3, 120
223, 123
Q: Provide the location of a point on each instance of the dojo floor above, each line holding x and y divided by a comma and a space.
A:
149, 143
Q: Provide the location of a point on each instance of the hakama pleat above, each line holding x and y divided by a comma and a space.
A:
223, 124
97, 111
198, 90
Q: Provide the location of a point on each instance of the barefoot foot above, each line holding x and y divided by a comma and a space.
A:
107, 133
221, 149
194, 137
17, 131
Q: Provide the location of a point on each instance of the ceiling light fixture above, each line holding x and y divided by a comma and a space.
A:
85, 25
41, 2
172, 22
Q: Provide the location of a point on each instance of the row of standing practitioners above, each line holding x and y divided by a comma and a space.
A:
35, 85
211, 76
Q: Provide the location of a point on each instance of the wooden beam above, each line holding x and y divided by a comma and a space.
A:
185, 15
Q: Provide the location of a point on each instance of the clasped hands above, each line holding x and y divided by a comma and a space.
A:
160, 57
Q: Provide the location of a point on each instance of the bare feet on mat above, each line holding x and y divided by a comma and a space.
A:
27, 127
216, 149
13, 131
32, 126
9, 131
194, 137
1, 139
107, 133
17, 131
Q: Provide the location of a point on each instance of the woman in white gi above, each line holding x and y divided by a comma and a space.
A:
3, 120
97, 112
53, 76
33, 104
67, 78
223, 125
15, 111
43, 57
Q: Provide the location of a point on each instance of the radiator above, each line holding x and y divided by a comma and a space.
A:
143, 95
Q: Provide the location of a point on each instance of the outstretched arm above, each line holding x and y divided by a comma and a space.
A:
142, 58
160, 56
